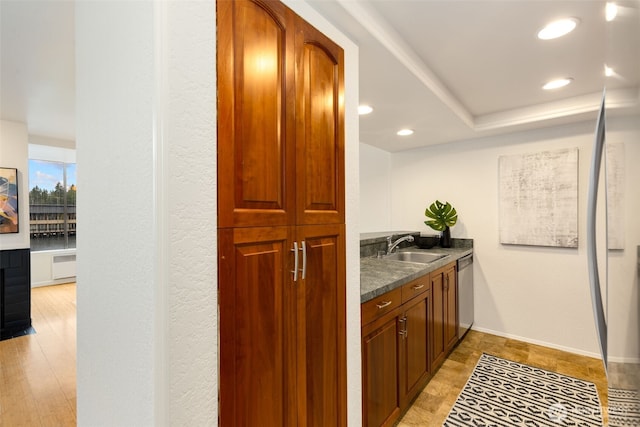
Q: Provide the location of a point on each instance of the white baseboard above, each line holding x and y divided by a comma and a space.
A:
634, 360
53, 282
613, 359
537, 342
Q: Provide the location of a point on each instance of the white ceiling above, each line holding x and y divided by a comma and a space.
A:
453, 69
37, 80
449, 69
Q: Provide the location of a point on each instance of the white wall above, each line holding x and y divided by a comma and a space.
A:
119, 355
533, 293
623, 288
146, 141
375, 191
13, 154
188, 265
57, 151
52, 142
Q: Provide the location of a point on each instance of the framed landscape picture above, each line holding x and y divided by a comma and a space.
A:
8, 200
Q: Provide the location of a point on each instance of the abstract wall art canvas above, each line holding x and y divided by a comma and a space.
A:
538, 197
8, 200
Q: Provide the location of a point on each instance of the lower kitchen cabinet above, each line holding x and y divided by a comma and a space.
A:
414, 348
445, 313
451, 307
406, 335
381, 399
395, 351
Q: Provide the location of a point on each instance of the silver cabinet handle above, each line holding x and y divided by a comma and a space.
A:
383, 304
406, 327
304, 259
416, 287
403, 332
295, 261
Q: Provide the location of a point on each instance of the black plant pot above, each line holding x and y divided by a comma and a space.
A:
445, 241
427, 242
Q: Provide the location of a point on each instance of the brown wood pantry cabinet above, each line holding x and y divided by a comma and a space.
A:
281, 229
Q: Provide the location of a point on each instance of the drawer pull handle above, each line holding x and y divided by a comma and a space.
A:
383, 304
416, 287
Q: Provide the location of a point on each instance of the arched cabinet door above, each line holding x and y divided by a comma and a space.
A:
319, 128
256, 152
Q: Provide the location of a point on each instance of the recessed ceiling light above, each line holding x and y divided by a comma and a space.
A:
364, 109
558, 83
611, 11
608, 71
558, 28
405, 132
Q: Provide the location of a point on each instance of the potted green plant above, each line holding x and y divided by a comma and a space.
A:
442, 217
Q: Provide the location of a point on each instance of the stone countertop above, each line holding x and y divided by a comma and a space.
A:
379, 275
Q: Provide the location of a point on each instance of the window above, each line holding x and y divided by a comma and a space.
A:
52, 205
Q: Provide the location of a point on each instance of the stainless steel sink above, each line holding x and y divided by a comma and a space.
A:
419, 257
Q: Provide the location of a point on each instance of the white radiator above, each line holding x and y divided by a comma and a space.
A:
63, 266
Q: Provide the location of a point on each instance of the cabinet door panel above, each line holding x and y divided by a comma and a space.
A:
255, 124
320, 128
380, 375
415, 346
437, 323
451, 309
256, 385
321, 318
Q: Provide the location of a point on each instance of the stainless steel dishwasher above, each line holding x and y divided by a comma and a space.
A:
465, 294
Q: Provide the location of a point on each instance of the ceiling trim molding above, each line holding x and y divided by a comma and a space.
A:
394, 43
623, 98
539, 112
618, 98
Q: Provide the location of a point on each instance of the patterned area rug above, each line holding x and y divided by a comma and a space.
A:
624, 408
505, 393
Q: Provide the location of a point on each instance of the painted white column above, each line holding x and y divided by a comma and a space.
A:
146, 146
191, 205
116, 241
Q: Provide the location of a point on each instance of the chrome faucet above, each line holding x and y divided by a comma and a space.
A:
391, 246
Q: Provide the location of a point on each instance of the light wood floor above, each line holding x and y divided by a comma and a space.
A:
38, 371
432, 406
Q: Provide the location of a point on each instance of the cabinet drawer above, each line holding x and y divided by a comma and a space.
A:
415, 287
381, 305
